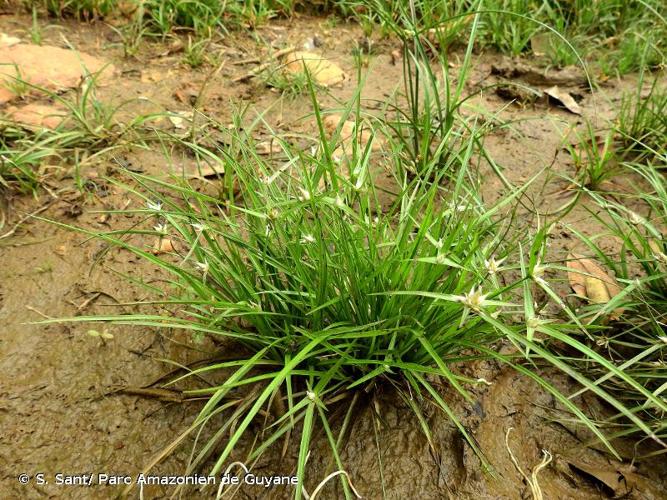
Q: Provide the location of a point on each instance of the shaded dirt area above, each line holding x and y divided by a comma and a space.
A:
59, 411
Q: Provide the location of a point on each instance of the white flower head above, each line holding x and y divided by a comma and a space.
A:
602, 341
203, 267
162, 229
155, 206
273, 214
636, 218
339, 201
197, 226
307, 238
305, 194
493, 265
533, 322
538, 272
311, 395
457, 207
474, 299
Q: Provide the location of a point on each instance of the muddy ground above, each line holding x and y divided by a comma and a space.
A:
59, 409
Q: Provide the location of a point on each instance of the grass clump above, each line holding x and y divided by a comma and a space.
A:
594, 156
628, 33
20, 159
642, 121
286, 83
82, 9
329, 294
88, 127
637, 341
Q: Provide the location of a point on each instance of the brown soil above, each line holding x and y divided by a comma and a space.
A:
58, 408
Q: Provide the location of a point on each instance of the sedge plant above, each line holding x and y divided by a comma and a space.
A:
642, 121
328, 294
637, 340
594, 156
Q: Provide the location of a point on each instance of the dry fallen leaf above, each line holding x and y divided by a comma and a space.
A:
163, 245
323, 71
588, 279
50, 67
618, 478
564, 98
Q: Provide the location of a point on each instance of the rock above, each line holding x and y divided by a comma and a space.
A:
37, 115
45, 66
323, 71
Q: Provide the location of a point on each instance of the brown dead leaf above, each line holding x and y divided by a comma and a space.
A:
620, 479
323, 71
564, 98
37, 115
50, 67
163, 245
588, 279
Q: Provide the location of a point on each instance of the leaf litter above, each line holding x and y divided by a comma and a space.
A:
589, 280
